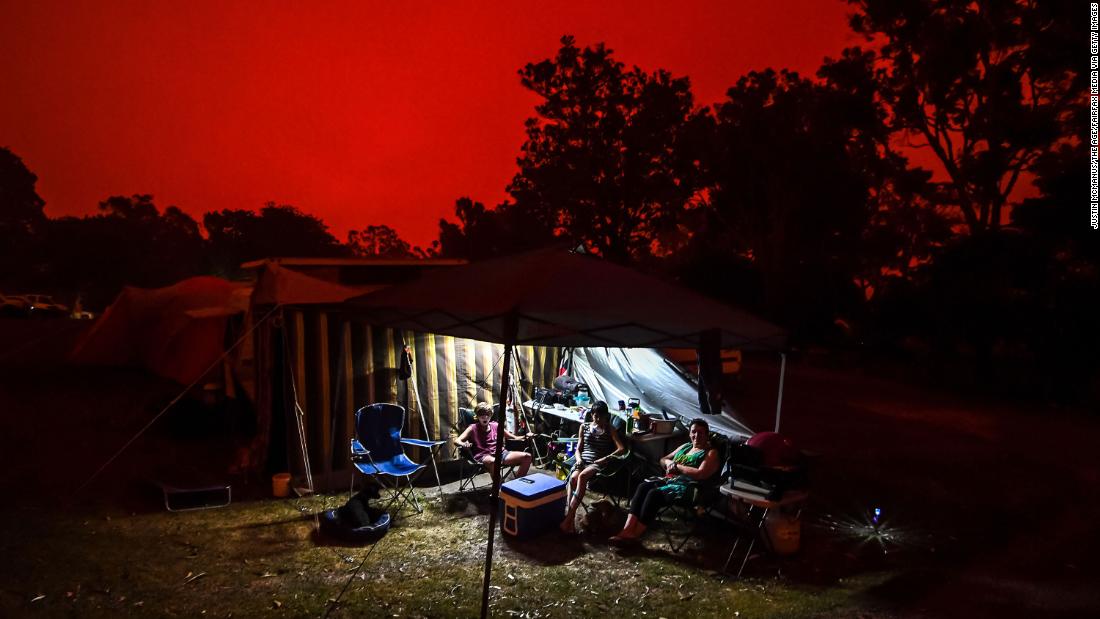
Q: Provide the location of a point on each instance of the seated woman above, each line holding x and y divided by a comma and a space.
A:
694, 461
481, 439
597, 443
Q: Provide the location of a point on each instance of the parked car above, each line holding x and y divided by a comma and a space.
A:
14, 306
44, 305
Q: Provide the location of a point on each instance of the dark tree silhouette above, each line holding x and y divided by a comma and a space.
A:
612, 159
790, 193
987, 86
21, 208
381, 241
129, 243
21, 216
483, 233
1065, 288
909, 219
238, 236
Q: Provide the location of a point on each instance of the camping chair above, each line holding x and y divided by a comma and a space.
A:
468, 468
614, 481
377, 451
694, 508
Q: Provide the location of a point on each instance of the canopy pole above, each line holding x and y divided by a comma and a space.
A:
521, 413
299, 413
427, 436
779, 402
498, 467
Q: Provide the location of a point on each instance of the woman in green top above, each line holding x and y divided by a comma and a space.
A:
694, 461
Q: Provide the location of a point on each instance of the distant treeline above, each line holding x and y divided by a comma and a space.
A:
794, 197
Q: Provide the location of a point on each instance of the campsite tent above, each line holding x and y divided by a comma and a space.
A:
176, 332
603, 305
305, 361
323, 360
310, 356
504, 301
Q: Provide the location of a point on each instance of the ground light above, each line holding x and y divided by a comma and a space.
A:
872, 527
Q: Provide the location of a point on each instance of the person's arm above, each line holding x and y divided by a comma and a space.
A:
620, 449
701, 472
460, 440
666, 462
515, 437
580, 442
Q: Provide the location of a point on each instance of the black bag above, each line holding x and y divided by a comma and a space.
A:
567, 384
546, 397
404, 369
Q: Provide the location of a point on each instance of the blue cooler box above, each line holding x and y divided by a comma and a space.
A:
530, 505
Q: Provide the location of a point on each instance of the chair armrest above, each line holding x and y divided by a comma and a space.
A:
415, 442
358, 449
466, 454
516, 444
358, 452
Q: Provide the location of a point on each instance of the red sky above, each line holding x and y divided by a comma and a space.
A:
371, 112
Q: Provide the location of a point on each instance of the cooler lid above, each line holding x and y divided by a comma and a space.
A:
532, 487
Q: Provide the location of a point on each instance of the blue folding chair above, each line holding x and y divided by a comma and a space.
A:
377, 451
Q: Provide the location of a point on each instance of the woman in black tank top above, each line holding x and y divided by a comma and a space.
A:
598, 443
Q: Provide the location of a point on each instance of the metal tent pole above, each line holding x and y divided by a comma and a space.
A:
493, 507
521, 413
779, 402
427, 436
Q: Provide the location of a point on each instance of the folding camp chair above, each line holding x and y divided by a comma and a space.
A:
468, 467
377, 451
694, 508
614, 481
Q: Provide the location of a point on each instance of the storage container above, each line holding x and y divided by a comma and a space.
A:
530, 505
659, 425
784, 531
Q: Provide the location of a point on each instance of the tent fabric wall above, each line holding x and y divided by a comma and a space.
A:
339, 363
620, 373
176, 332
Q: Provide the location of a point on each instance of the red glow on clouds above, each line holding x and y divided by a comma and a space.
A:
358, 112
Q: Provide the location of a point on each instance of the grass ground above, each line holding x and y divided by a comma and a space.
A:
989, 510
264, 557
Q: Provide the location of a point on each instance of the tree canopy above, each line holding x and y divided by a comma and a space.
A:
612, 159
238, 236
986, 86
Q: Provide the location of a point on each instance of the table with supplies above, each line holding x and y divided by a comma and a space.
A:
650, 446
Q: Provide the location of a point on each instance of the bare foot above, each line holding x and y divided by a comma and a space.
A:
567, 526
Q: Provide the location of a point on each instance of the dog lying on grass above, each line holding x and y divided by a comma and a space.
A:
603, 519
